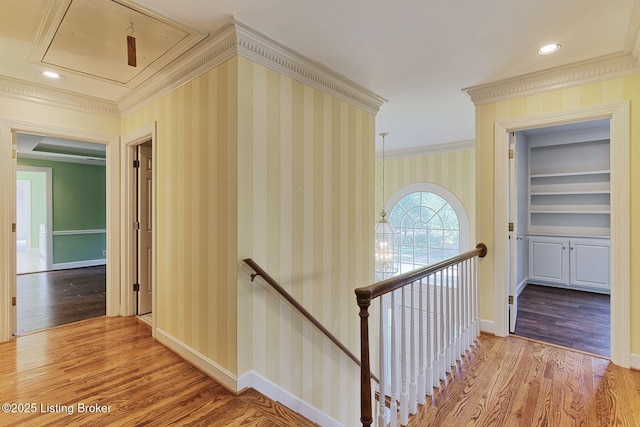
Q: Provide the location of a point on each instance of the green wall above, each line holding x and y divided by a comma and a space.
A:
79, 203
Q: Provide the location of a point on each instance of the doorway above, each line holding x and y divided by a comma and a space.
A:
70, 284
620, 262
138, 240
9, 131
33, 219
561, 239
144, 227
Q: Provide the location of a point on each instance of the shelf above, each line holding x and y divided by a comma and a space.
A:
570, 231
568, 174
568, 193
577, 209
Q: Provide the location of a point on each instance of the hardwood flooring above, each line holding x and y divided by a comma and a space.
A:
114, 365
573, 319
516, 382
55, 298
114, 362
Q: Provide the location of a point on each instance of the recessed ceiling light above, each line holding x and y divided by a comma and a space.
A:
550, 48
51, 75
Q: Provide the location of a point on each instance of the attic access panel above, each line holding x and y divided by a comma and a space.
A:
90, 37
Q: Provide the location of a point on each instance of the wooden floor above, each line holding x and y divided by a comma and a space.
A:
55, 298
113, 364
517, 382
573, 319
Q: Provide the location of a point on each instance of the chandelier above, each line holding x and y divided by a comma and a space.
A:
386, 253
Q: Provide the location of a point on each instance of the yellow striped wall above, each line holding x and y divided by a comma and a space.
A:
614, 90
453, 170
251, 163
196, 169
306, 193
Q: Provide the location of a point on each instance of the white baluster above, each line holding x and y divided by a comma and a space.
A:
413, 373
475, 299
443, 326
429, 331
383, 411
422, 339
404, 366
393, 410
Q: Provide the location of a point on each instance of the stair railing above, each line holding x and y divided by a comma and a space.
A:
428, 319
258, 271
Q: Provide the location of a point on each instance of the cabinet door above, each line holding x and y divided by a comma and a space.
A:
590, 263
549, 259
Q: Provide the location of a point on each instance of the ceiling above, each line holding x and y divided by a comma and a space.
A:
418, 55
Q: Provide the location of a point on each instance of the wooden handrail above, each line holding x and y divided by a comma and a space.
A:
365, 295
291, 300
389, 285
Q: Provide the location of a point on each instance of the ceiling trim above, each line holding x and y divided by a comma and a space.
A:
262, 50
593, 71
50, 158
429, 149
53, 19
238, 39
26, 91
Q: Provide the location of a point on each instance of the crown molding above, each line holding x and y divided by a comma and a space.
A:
429, 149
592, 71
262, 50
236, 39
25, 91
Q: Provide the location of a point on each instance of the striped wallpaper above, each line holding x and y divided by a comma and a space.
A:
305, 199
196, 165
453, 170
251, 163
593, 94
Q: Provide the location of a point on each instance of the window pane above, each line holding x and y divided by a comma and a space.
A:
428, 227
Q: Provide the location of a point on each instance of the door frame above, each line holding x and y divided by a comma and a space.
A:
620, 272
8, 164
127, 242
48, 206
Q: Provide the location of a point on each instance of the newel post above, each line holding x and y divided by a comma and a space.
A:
366, 415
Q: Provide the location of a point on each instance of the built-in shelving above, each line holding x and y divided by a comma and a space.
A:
569, 189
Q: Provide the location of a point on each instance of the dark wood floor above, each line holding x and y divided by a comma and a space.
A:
573, 319
59, 297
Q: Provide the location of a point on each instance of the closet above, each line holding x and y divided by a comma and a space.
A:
568, 205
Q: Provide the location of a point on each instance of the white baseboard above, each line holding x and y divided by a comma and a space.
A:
275, 392
521, 286
251, 379
199, 360
635, 361
487, 326
78, 264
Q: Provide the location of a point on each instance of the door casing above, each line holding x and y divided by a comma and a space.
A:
8, 164
128, 200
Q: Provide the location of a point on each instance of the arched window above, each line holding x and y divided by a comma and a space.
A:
431, 222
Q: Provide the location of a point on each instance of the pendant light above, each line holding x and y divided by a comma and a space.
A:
386, 251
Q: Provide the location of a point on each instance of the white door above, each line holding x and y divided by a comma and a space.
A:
145, 255
513, 235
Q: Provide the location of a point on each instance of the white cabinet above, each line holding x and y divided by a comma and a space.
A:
549, 259
575, 262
